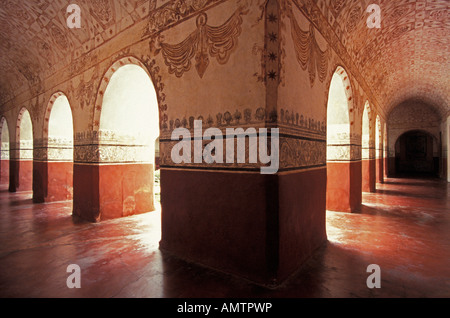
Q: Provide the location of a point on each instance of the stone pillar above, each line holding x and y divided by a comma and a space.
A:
53, 171
379, 163
344, 177
4, 167
226, 215
21, 166
111, 179
385, 154
302, 184
368, 165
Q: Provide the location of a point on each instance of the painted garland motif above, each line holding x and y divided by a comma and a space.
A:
309, 55
207, 41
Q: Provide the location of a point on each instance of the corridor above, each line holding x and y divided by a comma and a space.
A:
404, 228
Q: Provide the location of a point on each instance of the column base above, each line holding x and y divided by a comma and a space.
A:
217, 219
344, 186
302, 219
380, 170
103, 192
21, 175
4, 173
369, 175
52, 181
259, 227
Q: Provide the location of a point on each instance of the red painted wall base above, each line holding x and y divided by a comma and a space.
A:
379, 170
4, 172
369, 175
21, 175
261, 227
302, 218
386, 168
344, 186
219, 220
52, 181
103, 192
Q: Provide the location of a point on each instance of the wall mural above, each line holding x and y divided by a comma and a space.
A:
207, 41
308, 53
173, 12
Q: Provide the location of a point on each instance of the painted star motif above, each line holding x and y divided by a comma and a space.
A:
272, 75
272, 56
272, 18
273, 37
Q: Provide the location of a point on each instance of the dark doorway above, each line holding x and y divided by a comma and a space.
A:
415, 154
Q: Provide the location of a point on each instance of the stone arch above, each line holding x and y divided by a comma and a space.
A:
340, 71
106, 80
4, 130
54, 170
343, 166
3, 123
368, 150
340, 110
4, 151
48, 111
23, 112
23, 167
378, 136
367, 116
385, 151
125, 127
379, 150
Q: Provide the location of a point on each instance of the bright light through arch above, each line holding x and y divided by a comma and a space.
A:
130, 107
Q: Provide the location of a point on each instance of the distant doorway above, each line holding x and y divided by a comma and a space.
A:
414, 154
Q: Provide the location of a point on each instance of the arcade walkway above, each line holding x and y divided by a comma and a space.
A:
404, 228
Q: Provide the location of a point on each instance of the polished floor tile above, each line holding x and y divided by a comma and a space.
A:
404, 228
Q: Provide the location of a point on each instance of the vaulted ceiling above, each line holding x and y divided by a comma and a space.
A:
35, 40
406, 59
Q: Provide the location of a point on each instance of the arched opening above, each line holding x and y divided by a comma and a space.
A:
24, 180
157, 186
385, 152
343, 169
368, 151
379, 151
414, 154
128, 131
408, 116
447, 138
60, 151
4, 168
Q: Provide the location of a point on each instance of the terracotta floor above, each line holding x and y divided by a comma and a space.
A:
404, 228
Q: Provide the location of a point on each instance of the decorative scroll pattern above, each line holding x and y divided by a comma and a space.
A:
25, 149
297, 153
108, 147
302, 146
166, 158
217, 42
4, 151
343, 152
